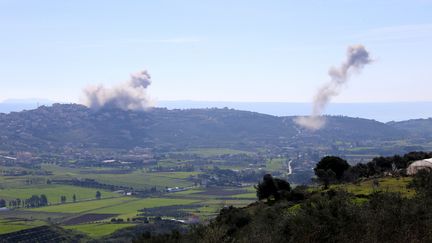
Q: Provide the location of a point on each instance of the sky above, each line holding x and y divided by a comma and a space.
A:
215, 50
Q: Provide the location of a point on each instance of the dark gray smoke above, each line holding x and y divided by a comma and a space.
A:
130, 95
357, 57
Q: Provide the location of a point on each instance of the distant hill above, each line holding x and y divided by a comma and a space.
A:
417, 127
383, 112
15, 105
380, 111
53, 127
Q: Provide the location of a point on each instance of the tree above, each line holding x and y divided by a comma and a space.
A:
74, 198
98, 195
266, 188
63, 199
422, 182
271, 187
282, 185
33, 201
360, 170
333, 163
325, 176
2, 203
43, 200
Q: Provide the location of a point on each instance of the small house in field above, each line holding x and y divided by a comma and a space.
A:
418, 165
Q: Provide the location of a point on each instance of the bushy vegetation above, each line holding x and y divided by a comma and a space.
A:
332, 169
272, 188
329, 215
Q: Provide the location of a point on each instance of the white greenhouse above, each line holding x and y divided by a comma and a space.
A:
419, 165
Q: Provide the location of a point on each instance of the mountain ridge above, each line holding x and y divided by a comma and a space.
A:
78, 126
380, 111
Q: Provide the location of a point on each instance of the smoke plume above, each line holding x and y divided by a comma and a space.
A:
130, 95
357, 57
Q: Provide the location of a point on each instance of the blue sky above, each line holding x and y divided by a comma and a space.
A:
215, 50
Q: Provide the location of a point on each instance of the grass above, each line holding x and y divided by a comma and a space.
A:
98, 230
130, 209
8, 226
176, 175
80, 207
356, 149
210, 152
125, 207
190, 192
211, 207
20, 181
141, 180
53, 192
276, 164
207, 211
389, 184
249, 195
137, 179
229, 202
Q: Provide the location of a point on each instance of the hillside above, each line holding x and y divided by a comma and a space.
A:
61, 125
393, 210
418, 127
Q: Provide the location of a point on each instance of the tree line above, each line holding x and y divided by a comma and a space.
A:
32, 202
332, 169
37, 201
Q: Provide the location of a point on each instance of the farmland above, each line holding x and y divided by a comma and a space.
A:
94, 217
98, 191
53, 192
11, 225
139, 179
99, 229
209, 152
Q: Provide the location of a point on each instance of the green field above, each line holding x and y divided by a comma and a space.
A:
176, 175
7, 226
80, 207
276, 164
92, 216
53, 192
98, 230
20, 181
125, 207
187, 192
248, 195
209, 152
138, 179
130, 209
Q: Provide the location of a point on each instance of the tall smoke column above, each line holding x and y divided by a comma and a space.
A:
357, 57
130, 95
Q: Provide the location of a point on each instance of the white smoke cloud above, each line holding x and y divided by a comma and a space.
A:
357, 57
130, 95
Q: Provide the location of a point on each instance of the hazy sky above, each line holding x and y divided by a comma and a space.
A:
215, 50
